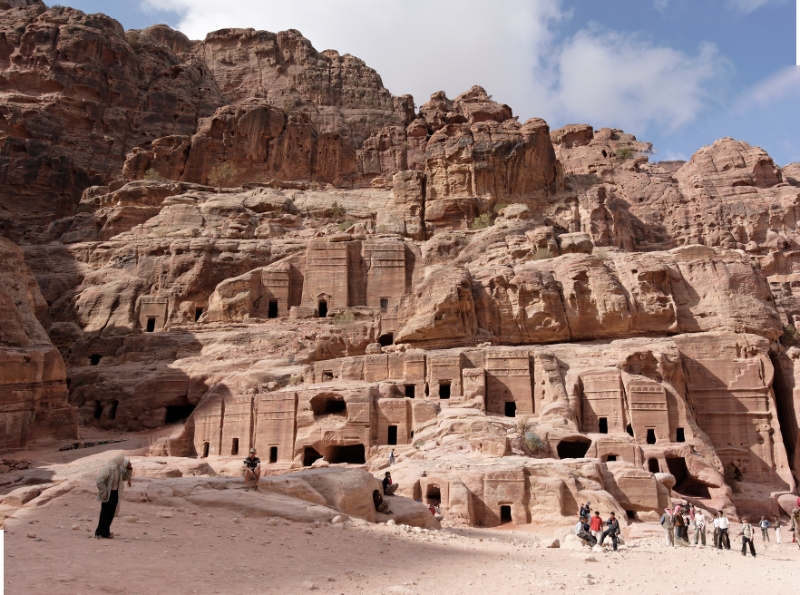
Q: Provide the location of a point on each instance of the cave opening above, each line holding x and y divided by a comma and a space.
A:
235, 446
354, 454
205, 449
98, 410
392, 438
386, 339
680, 435
328, 405
94, 359
198, 312
629, 429
309, 456
651, 435
685, 484
178, 413
572, 449
151, 325
112, 413
273, 454
611, 458
434, 495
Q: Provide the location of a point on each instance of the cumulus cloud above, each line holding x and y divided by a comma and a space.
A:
516, 53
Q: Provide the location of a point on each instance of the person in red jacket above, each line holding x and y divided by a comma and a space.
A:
596, 525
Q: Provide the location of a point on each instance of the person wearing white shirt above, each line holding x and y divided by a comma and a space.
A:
721, 522
777, 527
700, 527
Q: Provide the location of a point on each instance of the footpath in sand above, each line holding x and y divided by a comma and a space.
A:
174, 546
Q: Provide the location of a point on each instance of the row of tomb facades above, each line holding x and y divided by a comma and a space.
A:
350, 406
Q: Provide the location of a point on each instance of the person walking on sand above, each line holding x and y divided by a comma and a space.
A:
391, 458
764, 525
596, 525
251, 468
668, 523
747, 538
700, 527
777, 527
110, 483
680, 526
691, 536
722, 523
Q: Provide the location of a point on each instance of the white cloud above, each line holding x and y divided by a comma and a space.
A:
422, 46
750, 5
660, 4
779, 85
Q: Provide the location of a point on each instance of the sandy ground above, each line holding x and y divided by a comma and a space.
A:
190, 550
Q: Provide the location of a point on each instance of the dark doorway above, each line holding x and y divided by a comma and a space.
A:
386, 339
680, 435
630, 514
410, 389
684, 483
444, 389
347, 454
327, 375
384, 304
94, 359
322, 308
151, 325
176, 413
98, 410
198, 312
205, 449
273, 454
235, 446
653, 466
272, 309
112, 413
651, 435
434, 495
505, 514
573, 449
327, 405
309, 456
511, 409
392, 436
603, 421
611, 458
629, 429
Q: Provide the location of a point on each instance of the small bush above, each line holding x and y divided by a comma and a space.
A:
601, 254
344, 319
337, 211
624, 153
533, 442
790, 336
542, 254
346, 225
222, 175
152, 175
482, 222
296, 379
499, 207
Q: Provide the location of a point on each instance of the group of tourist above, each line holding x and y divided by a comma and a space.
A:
590, 528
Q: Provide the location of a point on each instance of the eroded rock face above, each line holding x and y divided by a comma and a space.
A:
33, 389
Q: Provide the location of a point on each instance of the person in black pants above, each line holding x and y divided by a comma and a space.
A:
747, 538
612, 531
110, 483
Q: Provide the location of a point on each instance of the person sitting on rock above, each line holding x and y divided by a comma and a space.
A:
389, 488
251, 468
612, 531
380, 504
582, 531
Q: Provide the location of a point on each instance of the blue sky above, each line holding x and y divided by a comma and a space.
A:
677, 73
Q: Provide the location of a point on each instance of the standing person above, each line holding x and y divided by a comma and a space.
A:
777, 527
251, 469
391, 458
596, 525
585, 510
680, 526
612, 531
795, 524
747, 538
389, 487
692, 528
668, 523
716, 531
722, 522
700, 527
110, 483
764, 524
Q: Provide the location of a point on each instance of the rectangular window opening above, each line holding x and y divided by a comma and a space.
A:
205, 449
235, 446
410, 390
505, 514
603, 421
327, 375
680, 435
392, 436
384, 304
651, 435
273, 454
511, 409
610, 458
